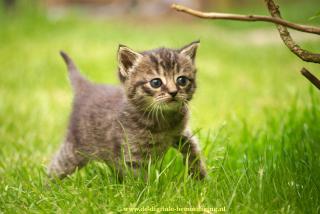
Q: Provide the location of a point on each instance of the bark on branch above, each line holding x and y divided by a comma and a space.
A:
248, 18
314, 80
294, 47
275, 18
287, 39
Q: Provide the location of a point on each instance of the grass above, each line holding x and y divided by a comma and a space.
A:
256, 116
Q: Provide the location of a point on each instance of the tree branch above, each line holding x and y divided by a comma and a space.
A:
281, 26
294, 47
287, 39
313, 79
248, 18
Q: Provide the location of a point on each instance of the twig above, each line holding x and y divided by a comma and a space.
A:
249, 18
287, 39
275, 18
313, 79
281, 26
294, 47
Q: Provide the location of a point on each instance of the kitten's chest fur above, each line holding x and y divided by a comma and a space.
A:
146, 135
154, 141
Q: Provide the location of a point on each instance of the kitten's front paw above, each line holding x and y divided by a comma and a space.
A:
203, 173
199, 173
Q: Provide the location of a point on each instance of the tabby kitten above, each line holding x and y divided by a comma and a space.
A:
139, 120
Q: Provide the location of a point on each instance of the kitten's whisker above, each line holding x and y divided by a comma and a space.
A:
138, 103
186, 105
151, 110
146, 109
162, 113
162, 99
154, 115
157, 109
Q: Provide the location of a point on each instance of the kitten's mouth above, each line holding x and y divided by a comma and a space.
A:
172, 100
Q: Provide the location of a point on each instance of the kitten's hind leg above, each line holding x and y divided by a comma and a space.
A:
66, 161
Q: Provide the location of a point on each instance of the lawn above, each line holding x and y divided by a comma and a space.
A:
257, 118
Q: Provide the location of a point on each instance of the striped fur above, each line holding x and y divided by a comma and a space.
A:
135, 121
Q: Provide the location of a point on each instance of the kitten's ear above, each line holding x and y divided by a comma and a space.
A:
190, 50
127, 59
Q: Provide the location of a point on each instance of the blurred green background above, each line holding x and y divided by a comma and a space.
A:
251, 100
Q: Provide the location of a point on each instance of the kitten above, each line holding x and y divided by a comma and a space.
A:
139, 120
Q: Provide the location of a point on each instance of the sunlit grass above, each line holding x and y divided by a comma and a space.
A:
258, 120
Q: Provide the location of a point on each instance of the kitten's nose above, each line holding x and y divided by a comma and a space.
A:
173, 93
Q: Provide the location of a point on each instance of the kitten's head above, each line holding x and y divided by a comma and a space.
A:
161, 77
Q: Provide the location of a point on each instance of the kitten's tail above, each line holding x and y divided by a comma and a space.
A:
78, 82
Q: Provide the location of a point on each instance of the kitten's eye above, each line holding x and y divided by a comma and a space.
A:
156, 83
182, 81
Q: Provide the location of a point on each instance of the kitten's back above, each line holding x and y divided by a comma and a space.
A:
95, 108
